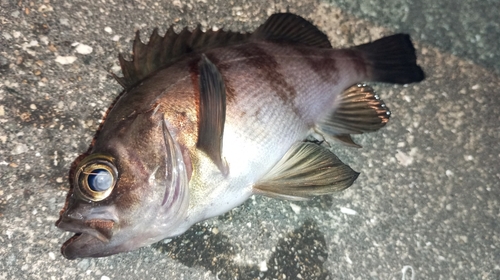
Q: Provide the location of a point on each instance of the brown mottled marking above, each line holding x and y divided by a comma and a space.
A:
194, 74
266, 67
357, 60
322, 62
105, 227
230, 92
100, 224
103, 120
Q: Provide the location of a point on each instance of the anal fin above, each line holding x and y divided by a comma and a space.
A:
306, 170
359, 111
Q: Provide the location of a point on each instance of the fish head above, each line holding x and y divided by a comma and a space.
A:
129, 191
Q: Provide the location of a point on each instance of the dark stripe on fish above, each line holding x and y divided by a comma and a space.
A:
194, 73
357, 60
266, 67
322, 62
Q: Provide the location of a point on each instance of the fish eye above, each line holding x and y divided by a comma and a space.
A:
99, 180
96, 177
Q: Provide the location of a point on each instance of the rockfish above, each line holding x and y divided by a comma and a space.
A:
207, 119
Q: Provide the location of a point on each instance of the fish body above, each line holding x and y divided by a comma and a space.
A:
208, 119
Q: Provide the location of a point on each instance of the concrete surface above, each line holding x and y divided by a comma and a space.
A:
426, 205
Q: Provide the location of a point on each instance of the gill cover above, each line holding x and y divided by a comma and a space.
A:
177, 179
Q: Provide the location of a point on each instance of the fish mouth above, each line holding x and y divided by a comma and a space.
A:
98, 228
75, 246
88, 234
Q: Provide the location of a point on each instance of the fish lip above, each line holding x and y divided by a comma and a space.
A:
67, 243
76, 246
93, 230
101, 229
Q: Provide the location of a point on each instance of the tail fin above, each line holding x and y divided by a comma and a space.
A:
392, 59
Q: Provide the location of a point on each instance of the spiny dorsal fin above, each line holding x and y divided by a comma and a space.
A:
306, 170
161, 52
291, 28
360, 110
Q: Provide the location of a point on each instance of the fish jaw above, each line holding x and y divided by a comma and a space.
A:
149, 201
94, 228
103, 240
89, 242
82, 244
100, 231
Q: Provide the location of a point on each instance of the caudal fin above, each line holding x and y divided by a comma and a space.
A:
392, 59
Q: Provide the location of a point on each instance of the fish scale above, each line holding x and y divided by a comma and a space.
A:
309, 87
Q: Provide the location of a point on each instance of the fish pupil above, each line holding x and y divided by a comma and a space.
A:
99, 180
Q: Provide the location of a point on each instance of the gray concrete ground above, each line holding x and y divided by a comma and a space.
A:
426, 205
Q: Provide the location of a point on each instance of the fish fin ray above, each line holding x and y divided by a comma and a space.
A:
306, 170
359, 110
291, 28
346, 139
392, 59
161, 52
212, 112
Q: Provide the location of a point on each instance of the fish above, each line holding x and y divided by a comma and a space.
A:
207, 119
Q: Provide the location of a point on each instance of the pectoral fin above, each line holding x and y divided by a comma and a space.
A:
360, 110
306, 170
212, 112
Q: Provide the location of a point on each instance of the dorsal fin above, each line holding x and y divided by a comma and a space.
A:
291, 28
161, 52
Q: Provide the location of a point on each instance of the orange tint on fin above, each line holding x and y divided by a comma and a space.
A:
359, 111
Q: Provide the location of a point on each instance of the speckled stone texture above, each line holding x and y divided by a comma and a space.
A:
426, 205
